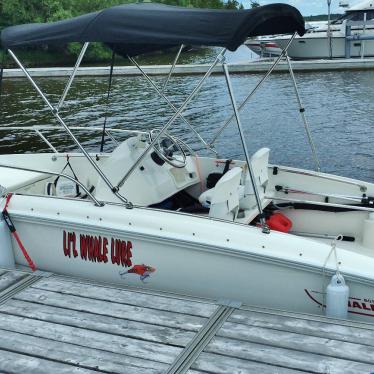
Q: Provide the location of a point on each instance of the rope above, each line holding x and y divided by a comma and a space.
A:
13, 231
74, 175
333, 249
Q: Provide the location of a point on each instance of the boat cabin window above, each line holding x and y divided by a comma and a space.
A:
355, 16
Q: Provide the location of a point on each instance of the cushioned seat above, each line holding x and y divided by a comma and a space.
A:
229, 195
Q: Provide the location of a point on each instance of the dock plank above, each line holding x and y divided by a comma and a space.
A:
94, 322
125, 296
213, 363
60, 325
3, 271
310, 317
11, 362
90, 339
298, 342
286, 358
322, 328
9, 278
76, 355
112, 308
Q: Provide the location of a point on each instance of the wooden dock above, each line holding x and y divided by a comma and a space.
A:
251, 67
53, 324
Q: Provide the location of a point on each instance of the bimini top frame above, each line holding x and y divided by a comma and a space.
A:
228, 29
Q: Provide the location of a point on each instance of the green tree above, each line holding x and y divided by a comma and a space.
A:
232, 4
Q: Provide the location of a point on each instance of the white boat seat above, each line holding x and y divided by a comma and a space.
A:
231, 192
223, 199
260, 163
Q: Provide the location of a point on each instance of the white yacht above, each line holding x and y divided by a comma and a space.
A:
266, 47
152, 213
316, 44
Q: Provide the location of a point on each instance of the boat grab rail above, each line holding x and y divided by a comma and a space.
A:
38, 131
288, 190
311, 202
48, 172
319, 175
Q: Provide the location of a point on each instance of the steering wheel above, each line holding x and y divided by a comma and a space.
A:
167, 146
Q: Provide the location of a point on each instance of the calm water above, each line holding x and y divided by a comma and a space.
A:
339, 106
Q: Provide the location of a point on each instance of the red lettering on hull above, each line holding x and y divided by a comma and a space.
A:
69, 239
95, 249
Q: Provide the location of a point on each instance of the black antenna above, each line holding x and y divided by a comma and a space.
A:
107, 101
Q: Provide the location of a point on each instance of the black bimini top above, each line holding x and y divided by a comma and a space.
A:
133, 29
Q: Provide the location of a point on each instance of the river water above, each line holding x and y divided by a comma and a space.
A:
339, 107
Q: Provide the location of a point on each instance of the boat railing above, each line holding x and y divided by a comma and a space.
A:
52, 173
333, 178
321, 203
39, 130
358, 37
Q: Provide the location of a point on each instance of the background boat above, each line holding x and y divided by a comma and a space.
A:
316, 44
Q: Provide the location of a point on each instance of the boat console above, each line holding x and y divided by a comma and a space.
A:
153, 181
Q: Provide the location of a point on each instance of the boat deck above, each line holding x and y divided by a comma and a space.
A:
55, 324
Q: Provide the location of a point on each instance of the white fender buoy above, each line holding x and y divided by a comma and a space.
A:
337, 294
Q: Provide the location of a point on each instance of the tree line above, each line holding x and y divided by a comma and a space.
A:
15, 12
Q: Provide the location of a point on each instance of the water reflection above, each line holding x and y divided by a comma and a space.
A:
339, 108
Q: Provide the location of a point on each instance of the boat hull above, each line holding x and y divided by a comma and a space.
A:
318, 48
264, 49
154, 254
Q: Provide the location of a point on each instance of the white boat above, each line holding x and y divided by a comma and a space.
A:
315, 44
153, 214
263, 48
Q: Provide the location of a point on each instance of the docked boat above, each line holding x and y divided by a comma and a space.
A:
154, 214
316, 44
263, 48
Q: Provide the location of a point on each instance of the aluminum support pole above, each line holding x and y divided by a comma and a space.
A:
172, 119
61, 121
363, 33
172, 67
258, 85
72, 76
348, 33
111, 137
171, 105
303, 116
265, 227
329, 27
46, 141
